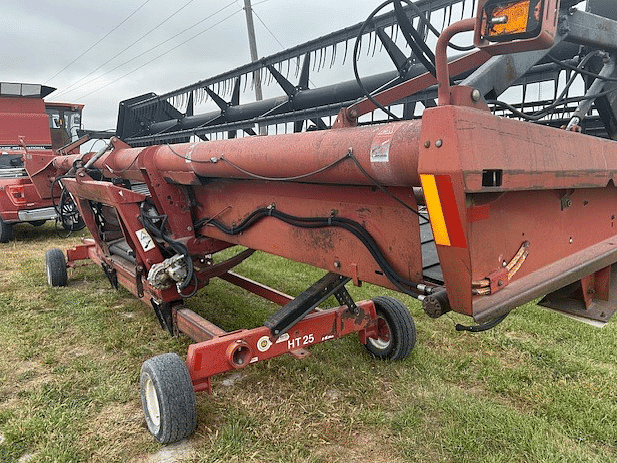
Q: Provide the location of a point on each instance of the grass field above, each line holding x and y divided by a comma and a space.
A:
538, 388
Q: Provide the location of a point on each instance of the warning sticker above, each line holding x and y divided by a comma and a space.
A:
145, 239
380, 149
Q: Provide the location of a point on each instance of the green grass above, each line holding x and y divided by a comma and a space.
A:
538, 388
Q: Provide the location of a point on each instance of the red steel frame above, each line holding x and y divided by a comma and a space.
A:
547, 222
217, 351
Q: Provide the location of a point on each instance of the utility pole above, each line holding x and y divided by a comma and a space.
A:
253, 46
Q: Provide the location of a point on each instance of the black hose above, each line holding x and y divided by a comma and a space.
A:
178, 248
561, 99
413, 38
482, 327
351, 226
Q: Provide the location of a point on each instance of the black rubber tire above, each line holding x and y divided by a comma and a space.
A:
6, 231
55, 263
397, 330
168, 398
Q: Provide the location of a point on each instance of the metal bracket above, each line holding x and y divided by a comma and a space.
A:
164, 315
296, 310
566, 200
139, 285
110, 273
344, 298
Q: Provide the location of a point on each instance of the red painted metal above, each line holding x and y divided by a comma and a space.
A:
526, 209
242, 348
195, 327
441, 57
270, 157
456, 144
86, 250
257, 288
26, 136
402, 90
23, 118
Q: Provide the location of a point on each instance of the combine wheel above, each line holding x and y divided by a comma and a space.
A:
6, 231
70, 218
56, 268
396, 330
168, 398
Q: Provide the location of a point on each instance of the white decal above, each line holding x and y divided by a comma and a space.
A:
145, 239
300, 341
380, 149
264, 344
381, 152
282, 338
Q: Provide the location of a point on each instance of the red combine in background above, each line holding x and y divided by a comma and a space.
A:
31, 128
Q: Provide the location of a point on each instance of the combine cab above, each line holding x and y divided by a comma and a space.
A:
477, 175
33, 131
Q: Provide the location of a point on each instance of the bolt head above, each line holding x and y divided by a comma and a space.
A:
475, 95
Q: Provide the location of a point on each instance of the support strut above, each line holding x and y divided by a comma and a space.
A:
297, 309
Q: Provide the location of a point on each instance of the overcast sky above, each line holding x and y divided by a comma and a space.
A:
99, 53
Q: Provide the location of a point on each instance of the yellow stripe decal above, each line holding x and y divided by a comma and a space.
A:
435, 212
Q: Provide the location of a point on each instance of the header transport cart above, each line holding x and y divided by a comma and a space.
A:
473, 178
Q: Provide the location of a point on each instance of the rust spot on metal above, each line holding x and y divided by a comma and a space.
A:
321, 239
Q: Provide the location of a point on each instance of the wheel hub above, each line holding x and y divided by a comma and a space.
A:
383, 332
152, 402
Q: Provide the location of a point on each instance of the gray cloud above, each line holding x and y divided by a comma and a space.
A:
40, 38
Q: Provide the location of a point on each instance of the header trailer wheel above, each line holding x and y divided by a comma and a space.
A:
396, 330
55, 263
168, 398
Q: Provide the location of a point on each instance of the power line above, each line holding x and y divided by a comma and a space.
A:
99, 41
168, 51
155, 47
267, 28
73, 86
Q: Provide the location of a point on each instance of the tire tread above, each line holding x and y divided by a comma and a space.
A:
56, 268
402, 326
176, 398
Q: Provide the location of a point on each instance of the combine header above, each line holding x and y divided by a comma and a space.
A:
473, 178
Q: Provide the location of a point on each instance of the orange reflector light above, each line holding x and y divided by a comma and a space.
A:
513, 26
509, 19
438, 221
505, 20
442, 210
